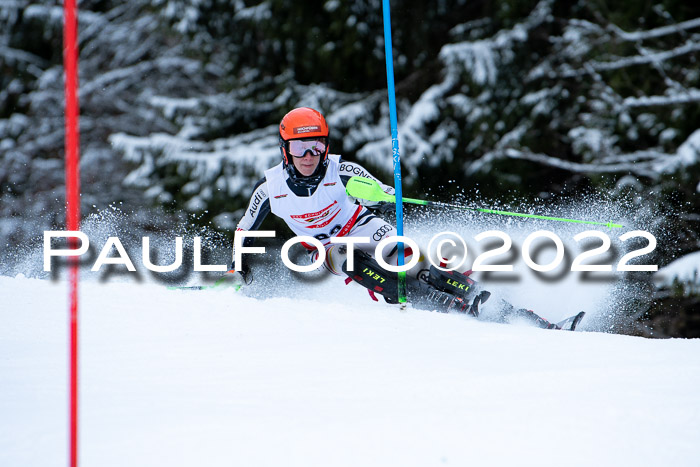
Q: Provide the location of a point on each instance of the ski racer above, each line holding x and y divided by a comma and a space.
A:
307, 190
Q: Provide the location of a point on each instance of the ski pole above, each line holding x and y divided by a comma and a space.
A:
389, 58
365, 188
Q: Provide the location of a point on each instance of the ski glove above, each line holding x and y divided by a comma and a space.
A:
244, 271
383, 208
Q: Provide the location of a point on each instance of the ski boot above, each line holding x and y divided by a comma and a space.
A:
377, 280
458, 285
434, 289
370, 275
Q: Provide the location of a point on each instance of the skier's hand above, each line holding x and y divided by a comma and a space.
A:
244, 271
384, 208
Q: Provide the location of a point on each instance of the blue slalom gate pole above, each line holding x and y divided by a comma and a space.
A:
394, 144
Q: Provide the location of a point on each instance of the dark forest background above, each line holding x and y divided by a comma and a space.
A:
180, 102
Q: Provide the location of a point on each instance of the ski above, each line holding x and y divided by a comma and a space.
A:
570, 323
200, 287
221, 283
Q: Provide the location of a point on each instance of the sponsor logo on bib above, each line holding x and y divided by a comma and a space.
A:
318, 219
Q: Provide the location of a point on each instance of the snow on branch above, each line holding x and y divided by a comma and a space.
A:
134, 74
481, 59
35, 65
688, 96
643, 169
11, 54
54, 14
651, 164
657, 32
476, 57
619, 63
207, 162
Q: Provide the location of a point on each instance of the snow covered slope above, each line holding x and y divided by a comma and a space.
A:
218, 378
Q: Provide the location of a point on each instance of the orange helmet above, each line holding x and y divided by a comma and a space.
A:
303, 123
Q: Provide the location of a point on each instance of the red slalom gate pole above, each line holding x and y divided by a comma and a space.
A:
72, 148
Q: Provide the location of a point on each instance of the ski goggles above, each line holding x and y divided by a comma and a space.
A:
299, 147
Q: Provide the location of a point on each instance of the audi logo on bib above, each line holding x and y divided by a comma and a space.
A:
381, 232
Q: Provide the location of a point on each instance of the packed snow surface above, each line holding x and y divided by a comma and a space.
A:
219, 378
